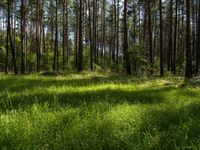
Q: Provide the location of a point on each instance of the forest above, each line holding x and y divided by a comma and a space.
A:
99, 74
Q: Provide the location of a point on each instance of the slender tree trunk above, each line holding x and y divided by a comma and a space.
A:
38, 35
150, 46
11, 42
76, 37
55, 62
65, 34
44, 47
114, 32
31, 38
117, 46
7, 48
52, 30
145, 23
170, 45
193, 33
41, 27
139, 16
175, 39
23, 36
104, 30
134, 25
188, 71
198, 43
125, 44
97, 31
80, 49
14, 33
161, 40
90, 36
94, 33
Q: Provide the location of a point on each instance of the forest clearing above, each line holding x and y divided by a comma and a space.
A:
99, 74
98, 111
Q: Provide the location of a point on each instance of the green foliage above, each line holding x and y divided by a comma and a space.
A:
96, 111
138, 58
86, 56
2, 57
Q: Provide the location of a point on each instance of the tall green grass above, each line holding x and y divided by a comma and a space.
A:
96, 111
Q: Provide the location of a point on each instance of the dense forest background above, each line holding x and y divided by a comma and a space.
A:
139, 37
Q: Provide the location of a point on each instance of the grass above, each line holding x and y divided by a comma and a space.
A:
95, 111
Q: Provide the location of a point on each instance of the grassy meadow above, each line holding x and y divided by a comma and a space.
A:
98, 112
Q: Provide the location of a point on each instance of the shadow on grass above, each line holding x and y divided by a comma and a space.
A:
76, 99
166, 128
18, 84
179, 128
175, 128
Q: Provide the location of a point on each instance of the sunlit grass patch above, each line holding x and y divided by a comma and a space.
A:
97, 111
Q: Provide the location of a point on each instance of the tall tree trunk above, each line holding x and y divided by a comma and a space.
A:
90, 36
193, 33
55, 62
45, 51
134, 25
125, 43
38, 34
94, 32
23, 36
11, 39
104, 30
80, 49
175, 39
188, 71
198, 43
41, 27
97, 31
65, 34
117, 46
170, 45
76, 37
7, 48
161, 40
114, 32
150, 46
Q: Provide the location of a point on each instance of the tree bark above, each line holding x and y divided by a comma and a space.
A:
80, 49
150, 46
125, 43
188, 71
198, 43
161, 40
10, 37
23, 36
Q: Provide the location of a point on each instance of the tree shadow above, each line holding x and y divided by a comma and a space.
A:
178, 127
76, 99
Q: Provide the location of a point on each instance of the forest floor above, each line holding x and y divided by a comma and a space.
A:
96, 111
